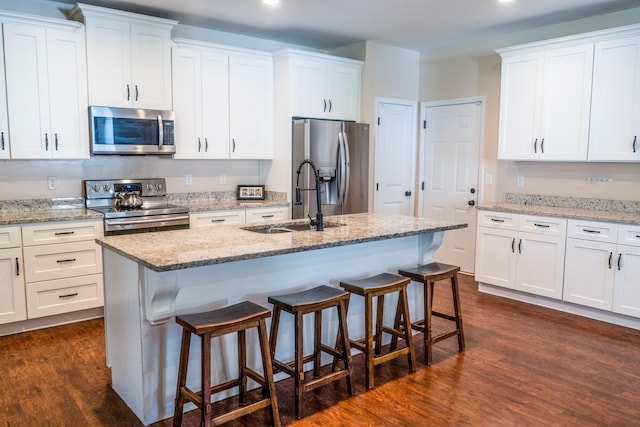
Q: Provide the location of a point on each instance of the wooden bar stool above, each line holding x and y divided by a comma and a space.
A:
235, 318
428, 275
379, 286
298, 304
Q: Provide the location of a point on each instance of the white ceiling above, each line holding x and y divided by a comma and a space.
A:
328, 24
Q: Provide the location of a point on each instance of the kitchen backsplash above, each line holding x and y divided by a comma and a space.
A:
575, 202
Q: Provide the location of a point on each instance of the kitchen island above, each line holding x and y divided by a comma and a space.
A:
151, 277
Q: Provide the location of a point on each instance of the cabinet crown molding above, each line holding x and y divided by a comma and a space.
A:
572, 40
22, 18
288, 52
82, 11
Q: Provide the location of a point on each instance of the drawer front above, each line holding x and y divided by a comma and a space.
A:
64, 295
61, 232
48, 262
507, 221
543, 225
261, 215
629, 235
10, 237
592, 230
209, 219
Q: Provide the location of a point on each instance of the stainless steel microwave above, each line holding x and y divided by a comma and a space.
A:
131, 131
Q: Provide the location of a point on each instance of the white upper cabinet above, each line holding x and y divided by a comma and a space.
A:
46, 90
129, 58
5, 149
615, 113
223, 101
324, 86
544, 103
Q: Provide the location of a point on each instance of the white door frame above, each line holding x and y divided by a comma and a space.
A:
423, 143
414, 125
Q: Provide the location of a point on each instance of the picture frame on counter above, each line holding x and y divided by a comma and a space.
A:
251, 192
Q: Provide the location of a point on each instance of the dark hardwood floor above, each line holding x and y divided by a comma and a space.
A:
524, 365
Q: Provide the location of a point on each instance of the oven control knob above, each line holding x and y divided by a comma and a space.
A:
158, 186
149, 187
95, 187
106, 187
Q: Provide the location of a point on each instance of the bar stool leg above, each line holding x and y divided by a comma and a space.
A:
242, 365
299, 363
317, 341
368, 333
182, 378
379, 318
342, 342
457, 311
267, 368
428, 305
205, 360
407, 329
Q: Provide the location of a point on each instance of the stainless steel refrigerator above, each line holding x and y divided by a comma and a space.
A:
340, 152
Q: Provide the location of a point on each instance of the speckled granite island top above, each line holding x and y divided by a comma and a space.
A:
196, 247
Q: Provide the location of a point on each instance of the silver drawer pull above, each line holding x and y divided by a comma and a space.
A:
218, 220
591, 231
541, 225
268, 216
64, 233
497, 220
75, 294
65, 260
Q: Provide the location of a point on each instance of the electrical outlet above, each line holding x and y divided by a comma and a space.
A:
223, 178
188, 179
599, 179
52, 182
488, 179
520, 181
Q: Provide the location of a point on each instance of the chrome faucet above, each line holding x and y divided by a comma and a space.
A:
318, 222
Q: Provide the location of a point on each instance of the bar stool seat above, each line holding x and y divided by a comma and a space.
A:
235, 318
377, 287
428, 275
298, 304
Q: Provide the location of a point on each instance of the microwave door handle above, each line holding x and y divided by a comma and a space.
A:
160, 132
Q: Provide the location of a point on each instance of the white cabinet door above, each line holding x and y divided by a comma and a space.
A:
495, 257
545, 105
540, 265
12, 292
589, 273
251, 106
343, 91
5, 150
615, 108
187, 102
68, 106
309, 88
626, 290
215, 105
46, 90
150, 67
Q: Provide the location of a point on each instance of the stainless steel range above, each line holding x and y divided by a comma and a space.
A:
134, 205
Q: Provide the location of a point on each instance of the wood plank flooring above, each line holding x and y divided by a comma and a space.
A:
524, 365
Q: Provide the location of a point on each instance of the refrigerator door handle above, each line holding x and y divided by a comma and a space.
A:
347, 168
341, 169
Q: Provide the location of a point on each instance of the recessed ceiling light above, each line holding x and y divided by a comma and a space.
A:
271, 2
505, 1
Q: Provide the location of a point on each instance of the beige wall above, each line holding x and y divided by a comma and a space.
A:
474, 70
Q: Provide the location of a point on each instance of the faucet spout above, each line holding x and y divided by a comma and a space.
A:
318, 222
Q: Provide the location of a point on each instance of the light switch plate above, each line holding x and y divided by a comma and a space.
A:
520, 181
52, 182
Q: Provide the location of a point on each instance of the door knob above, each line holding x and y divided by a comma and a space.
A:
471, 202
407, 193
472, 191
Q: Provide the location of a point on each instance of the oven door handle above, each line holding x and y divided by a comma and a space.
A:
160, 132
146, 220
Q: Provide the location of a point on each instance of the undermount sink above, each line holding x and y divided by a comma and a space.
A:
287, 227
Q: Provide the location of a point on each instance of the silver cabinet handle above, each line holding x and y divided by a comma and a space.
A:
206, 145
535, 146
542, 146
634, 146
330, 106
46, 141
199, 145
218, 220
324, 110
520, 246
55, 139
234, 145
268, 216
136, 92
2, 139
128, 93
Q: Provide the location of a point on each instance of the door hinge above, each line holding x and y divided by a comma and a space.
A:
424, 124
378, 121
422, 186
377, 186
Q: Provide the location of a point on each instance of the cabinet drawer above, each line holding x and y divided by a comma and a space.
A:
592, 230
260, 215
64, 295
209, 219
503, 220
61, 232
543, 225
629, 235
10, 237
49, 262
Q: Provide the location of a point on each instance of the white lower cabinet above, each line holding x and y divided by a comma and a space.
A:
213, 218
267, 214
521, 252
62, 268
12, 298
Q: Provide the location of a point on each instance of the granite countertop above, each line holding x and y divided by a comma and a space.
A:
180, 249
618, 211
15, 212
220, 205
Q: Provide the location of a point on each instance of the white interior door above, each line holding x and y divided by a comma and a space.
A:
451, 146
394, 159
